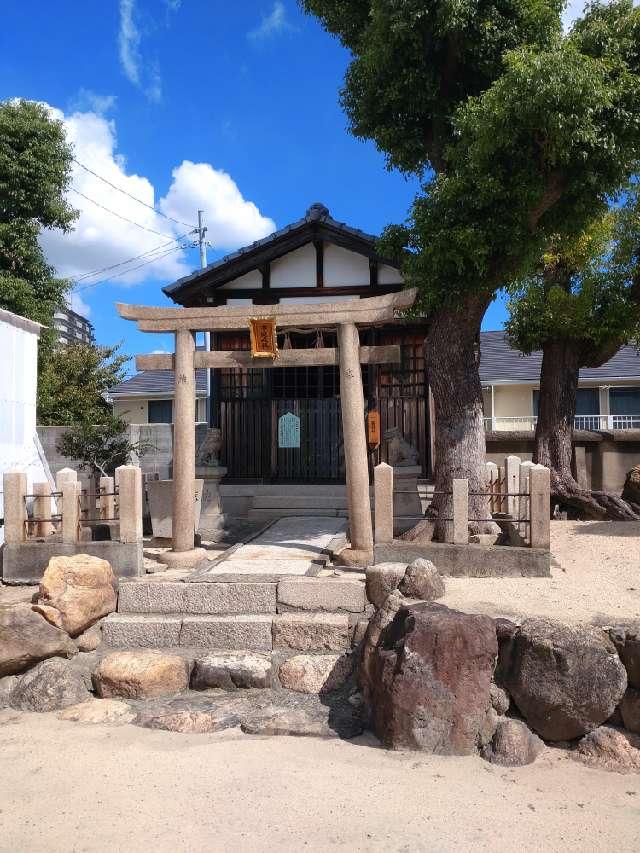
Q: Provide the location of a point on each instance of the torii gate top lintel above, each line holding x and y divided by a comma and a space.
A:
370, 310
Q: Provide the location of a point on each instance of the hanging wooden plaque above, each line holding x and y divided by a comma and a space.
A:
373, 429
264, 343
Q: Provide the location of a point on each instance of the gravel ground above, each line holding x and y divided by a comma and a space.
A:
595, 578
79, 787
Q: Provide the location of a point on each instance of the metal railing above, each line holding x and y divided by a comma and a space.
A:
525, 423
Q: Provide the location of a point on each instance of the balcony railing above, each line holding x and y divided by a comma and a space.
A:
526, 423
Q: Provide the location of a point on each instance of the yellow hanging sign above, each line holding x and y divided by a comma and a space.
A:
264, 343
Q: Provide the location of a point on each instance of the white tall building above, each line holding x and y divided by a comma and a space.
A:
19, 444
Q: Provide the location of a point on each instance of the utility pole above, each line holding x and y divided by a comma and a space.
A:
202, 230
202, 244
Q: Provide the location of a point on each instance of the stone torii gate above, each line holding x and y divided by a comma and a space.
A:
345, 316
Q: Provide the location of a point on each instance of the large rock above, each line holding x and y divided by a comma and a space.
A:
383, 617
382, 580
26, 638
500, 699
51, 685
231, 670
566, 681
105, 711
610, 749
630, 710
7, 685
140, 674
315, 673
631, 490
428, 680
513, 744
626, 639
422, 581
76, 591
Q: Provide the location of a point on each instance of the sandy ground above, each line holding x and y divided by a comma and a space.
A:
72, 787
595, 578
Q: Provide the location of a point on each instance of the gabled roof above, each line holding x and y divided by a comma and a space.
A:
154, 383
316, 224
500, 362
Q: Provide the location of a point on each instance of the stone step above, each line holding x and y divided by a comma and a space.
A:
299, 502
292, 512
321, 594
238, 632
196, 598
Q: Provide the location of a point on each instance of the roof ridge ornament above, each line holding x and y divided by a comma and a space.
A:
317, 211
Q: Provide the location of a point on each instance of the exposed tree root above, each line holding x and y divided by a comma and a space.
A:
602, 506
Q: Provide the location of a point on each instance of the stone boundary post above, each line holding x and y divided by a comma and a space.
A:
539, 499
512, 483
130, 493
14, 487
42, 509
70, 510
107, 498
525, 503
492, 477
460, 505
383, 502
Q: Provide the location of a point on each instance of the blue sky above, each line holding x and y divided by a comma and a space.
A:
186, 103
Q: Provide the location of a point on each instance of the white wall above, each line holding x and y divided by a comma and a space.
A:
343, 268
296, 269
248, 281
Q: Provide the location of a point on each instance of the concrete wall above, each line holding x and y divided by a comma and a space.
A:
135, 410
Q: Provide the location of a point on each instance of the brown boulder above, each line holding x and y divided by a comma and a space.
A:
26, 638
429, 677
626, 639
76, 591
513, 744
609, 749
630, 710
566, 681
631, 490
140, 674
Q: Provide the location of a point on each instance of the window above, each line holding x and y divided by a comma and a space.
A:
587, 402
160, 412
624, 401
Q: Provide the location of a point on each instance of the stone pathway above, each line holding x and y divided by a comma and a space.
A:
291, 546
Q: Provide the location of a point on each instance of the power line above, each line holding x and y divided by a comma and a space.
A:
125, 272
124, 192
120, 216
129, 260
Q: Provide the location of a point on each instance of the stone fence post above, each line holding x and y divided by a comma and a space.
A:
460, 505
129, 479
70, 509
492, 479
14, 487
512, 483
525, 502
383, 502
42, 510
539, 512
107, 498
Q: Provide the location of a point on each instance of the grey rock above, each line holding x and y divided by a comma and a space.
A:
7, 685
51, 685
499, 699
422, 581
566, 681
630, 709
90, 639
626, 639
513, 744
382, 580
26, 638
229, 671
609, 749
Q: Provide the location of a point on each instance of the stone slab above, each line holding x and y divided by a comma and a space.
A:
200, 598
320, 594
236, 633
141, 630
25, 562
319, 632
474, 561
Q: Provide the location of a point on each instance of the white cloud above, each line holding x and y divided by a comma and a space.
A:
89, 101
147, 79
78, 305
100, 239
273, 24
230, 218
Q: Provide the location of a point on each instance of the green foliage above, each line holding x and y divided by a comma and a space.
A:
35, 172
100, 448
73, 382
586, 290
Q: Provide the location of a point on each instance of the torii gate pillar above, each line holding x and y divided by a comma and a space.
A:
355, 439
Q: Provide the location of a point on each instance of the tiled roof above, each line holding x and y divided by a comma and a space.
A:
316, 215
499, 362
154, 383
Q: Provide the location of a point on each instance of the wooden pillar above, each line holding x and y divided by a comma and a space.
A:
184, 442
355, 439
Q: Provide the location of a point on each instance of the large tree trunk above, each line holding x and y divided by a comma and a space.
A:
452, 357
561, 362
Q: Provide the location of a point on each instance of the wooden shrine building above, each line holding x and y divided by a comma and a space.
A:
314, 261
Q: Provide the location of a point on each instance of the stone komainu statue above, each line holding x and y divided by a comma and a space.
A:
400, 453
209, 451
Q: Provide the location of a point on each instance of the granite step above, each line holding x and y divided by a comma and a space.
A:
236, 632
196, 598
